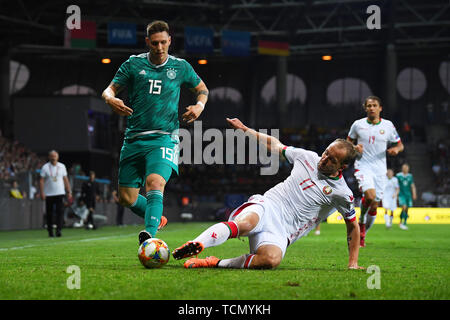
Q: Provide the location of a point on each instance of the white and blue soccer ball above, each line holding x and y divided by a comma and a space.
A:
153, 253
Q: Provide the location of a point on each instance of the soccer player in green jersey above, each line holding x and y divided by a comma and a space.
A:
150, 149
407, 193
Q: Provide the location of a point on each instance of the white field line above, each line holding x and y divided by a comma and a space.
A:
65, 242
44, 243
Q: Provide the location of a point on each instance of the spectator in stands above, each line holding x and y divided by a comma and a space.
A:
33, 190
120, 209
53, 185
14, 192
89, 193
15, 158
406, 132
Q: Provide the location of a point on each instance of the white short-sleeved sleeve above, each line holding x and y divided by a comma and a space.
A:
396, 183
64, 170
43, 172
345, 206
394, 137
292, 153
352, 133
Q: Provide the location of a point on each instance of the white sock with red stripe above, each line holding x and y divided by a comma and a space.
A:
370, 219
218, 234
241, 262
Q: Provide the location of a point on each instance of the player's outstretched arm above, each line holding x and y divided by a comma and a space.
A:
271, 143
353, 244
194, 111
414, 191
116, 104
359, 147
395, 150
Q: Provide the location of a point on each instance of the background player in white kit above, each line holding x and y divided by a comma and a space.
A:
390, 197
286, 212
372, 134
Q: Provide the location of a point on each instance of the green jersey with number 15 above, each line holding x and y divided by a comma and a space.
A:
154, 93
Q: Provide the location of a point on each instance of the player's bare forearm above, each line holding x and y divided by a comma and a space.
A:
194, 111
202, 92
108, 94
116, 104
111, 91
271, 143
351, 140
395, 150
353, 244
358, 147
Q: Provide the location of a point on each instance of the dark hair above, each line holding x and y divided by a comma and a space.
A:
350, 148
372, 98
157, 26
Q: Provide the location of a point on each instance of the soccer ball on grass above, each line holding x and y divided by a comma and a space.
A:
153, 253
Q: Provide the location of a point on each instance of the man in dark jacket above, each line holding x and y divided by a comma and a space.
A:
89, 192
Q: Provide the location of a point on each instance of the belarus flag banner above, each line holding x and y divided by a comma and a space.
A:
85, 37
275, 48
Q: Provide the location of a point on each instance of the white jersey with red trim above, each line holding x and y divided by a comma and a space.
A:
307, 196
391, 187
375, 139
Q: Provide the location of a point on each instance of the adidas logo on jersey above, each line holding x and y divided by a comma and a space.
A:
142, 72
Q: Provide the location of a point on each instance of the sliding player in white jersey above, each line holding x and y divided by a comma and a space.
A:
390, 197
286, 212
372, 134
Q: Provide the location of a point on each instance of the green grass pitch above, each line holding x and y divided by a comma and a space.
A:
413, 264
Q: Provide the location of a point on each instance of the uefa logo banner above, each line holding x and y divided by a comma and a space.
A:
198, 40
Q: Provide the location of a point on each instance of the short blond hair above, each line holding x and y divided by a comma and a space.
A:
350, 148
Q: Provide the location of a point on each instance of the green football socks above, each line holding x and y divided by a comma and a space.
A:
403, 217
153, 211
150, 208
138, 207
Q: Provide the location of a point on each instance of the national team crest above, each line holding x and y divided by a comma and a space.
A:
381, 131
327, 190
171, 74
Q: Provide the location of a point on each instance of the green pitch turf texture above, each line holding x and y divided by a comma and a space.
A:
414, 264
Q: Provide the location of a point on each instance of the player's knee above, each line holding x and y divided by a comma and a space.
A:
247, 223
370, 197
245, 227
155, 183
269, 261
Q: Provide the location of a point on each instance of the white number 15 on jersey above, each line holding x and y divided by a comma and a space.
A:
155, 86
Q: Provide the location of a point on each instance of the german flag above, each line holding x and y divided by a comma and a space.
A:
274, 48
